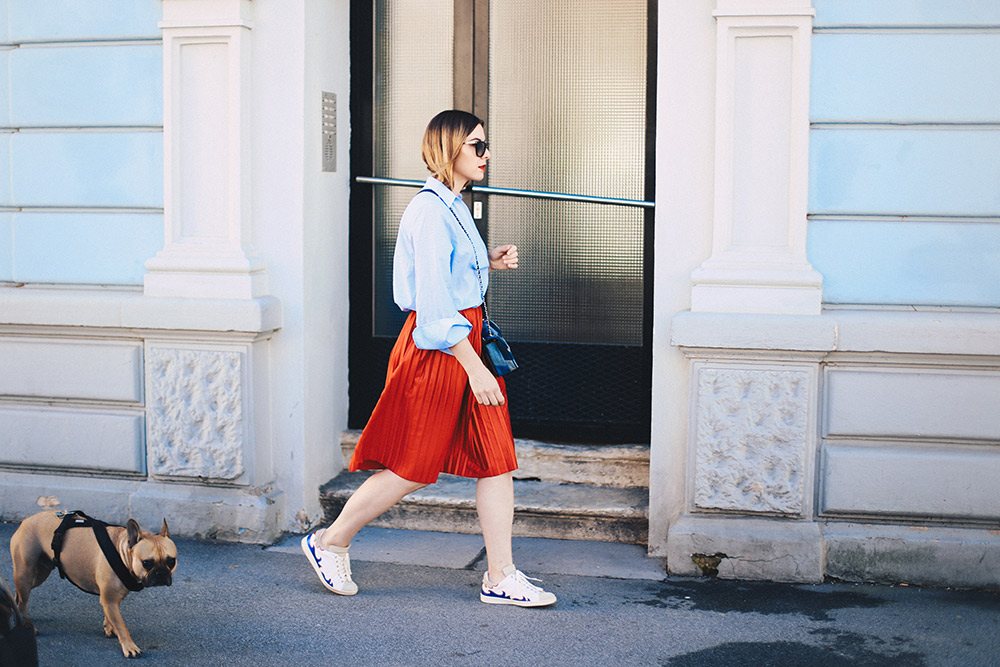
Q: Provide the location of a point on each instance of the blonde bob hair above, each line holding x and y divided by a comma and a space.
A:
443, 140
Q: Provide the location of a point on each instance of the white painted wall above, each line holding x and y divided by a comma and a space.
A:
325, 252
301, 50
685, 129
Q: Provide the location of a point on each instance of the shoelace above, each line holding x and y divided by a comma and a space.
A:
525, 584
525, 579
343, 564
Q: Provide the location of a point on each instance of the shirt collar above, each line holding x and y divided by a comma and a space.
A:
442, 190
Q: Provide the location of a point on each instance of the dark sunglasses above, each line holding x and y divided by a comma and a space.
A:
480, 146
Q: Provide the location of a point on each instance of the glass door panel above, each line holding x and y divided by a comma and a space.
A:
563, 88
567, 113
413, 80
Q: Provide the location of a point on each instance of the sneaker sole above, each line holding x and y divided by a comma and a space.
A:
312, 561
520, 603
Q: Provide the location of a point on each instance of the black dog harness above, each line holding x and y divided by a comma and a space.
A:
78, 519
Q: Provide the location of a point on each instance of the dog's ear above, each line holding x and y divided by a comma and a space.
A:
134, 533
164, 532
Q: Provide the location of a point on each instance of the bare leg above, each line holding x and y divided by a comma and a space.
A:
379, 492
495, 504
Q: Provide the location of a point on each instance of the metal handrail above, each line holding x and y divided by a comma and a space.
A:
535, 194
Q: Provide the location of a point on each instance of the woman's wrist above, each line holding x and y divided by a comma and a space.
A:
467, 357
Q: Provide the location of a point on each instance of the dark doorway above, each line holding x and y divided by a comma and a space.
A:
567, 96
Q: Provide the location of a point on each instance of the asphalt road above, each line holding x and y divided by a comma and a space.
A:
418, 605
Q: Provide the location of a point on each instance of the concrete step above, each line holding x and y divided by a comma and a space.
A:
542, 508
622, 466
576, 492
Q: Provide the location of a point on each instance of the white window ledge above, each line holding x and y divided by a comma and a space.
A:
844, 330
123, 309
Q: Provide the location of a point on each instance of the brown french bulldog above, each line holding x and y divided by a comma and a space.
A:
150, 558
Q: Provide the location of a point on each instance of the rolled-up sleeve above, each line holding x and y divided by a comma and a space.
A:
441, 334
439, 323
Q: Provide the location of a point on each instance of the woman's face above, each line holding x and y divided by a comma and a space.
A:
469, 166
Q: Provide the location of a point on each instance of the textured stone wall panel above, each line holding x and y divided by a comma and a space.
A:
751, 435
195, 413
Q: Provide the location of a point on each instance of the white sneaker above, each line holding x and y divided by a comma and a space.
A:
515, 588
333, 567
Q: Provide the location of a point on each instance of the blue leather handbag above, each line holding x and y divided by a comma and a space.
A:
496, 352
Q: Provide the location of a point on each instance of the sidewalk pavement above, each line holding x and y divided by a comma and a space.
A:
418, 604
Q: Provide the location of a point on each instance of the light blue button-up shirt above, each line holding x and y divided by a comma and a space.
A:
434, 266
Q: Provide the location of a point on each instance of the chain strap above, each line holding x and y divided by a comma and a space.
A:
482, 292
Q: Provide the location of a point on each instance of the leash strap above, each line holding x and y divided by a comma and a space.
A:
78, 519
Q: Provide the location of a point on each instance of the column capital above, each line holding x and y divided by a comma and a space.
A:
206, 14
764, 8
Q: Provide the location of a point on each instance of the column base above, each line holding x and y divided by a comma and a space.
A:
747, 549
757, 300
206, 285
921, 555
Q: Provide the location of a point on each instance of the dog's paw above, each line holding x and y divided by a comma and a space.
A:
131, 650
109, 631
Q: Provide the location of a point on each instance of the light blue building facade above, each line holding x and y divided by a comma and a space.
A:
903, 194
82, 142
904, 173
224, 408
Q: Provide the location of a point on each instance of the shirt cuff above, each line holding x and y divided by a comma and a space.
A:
442, 334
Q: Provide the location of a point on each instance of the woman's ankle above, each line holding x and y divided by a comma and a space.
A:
328, 543
494, 578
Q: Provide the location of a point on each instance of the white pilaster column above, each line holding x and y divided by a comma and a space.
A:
758, 262
208, 248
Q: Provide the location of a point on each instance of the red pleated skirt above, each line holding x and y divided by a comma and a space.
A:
427, 420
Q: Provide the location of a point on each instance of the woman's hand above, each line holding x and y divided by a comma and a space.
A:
484, 386
503, 257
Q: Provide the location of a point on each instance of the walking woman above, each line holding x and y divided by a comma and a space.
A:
441, 410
